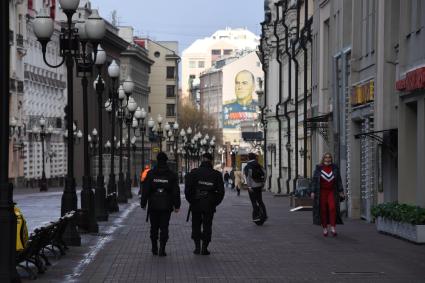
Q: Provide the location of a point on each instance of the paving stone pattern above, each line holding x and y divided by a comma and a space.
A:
288, 248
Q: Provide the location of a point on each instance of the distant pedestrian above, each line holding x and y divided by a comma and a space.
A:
143, 174
255, 177
232, 179
327, 190
204, 190
239, 181
226, 178
162, 194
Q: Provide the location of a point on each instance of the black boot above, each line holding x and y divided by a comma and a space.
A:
162, 249
204, 250
154, 247
197, 247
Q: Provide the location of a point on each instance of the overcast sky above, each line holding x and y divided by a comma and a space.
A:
183, 20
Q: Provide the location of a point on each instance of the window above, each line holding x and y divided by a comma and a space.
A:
201, 64
171, 91
192, 64
157, 54
227, 51
216, 52
171, 110
170, 72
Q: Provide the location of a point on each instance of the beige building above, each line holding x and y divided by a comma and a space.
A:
203, 53
163, 79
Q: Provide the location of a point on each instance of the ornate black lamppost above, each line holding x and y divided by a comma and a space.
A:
129, 115
72, 48
111, 107
140, 115
42, 133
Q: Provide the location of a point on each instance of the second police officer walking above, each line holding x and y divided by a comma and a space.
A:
162, 194
204, 190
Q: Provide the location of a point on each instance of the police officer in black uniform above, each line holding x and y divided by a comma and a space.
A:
161, 190
204, 190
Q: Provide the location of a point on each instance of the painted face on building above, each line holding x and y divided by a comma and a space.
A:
244, 87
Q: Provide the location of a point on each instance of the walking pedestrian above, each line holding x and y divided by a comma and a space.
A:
161, 192
143, 174
204, 190
226, 179
239, 181
232, 179
327, 190
255, 177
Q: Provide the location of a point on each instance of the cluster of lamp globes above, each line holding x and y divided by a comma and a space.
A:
93, 29
204, 142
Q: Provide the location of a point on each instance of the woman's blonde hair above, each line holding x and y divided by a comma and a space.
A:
326, 154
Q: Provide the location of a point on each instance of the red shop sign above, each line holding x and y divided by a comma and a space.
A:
414, 80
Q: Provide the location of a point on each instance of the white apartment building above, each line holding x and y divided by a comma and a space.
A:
203, 53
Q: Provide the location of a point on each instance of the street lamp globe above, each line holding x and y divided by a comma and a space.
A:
114, 70
89, 138
43, 25
42, 121
151, 123
176, 126
128, 86
50, 129
81, 27
69, 5
159, 119
189, 131
166, 127
133, 140
135, 124
131, 105
94, 132
107, 144
212, 143
170, 134
74, 127
65, 134
13, 122
108, 106
100, 56
182, 133
79, 134
95, 26
121, 93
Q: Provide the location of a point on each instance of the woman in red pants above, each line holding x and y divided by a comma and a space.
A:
326, 191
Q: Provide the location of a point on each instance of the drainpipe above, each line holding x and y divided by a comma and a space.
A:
264, 106
279, 186
286, 102
296, 63
306, 38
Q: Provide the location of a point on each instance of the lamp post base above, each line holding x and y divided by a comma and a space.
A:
69, 203
122, 195
43, 185
100, 200
128, 186
88, 205
112, 202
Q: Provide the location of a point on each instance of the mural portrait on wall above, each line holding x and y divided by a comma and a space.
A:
243, 107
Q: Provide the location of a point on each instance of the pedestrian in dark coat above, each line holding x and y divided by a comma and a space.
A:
327, 190
204, 190
161, 190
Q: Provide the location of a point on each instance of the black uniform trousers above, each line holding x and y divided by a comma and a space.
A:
160, 220
256, 197
204, 219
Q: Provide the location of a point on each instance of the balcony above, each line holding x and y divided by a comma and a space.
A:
20, 45
10, 37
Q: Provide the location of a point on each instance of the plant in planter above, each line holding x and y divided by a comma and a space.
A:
403, 220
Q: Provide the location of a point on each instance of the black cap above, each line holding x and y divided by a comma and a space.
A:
252, 156
207, 156
162, 157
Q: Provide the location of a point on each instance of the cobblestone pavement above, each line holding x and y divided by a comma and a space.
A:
288, 248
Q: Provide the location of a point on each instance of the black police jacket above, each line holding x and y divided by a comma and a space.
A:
161, 189
204, 188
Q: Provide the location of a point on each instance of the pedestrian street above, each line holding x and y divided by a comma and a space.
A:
287, 248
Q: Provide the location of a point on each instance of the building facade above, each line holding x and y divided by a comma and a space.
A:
163, 80
203, 53
285, 52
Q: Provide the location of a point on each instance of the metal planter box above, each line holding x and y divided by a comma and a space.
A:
414, 233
